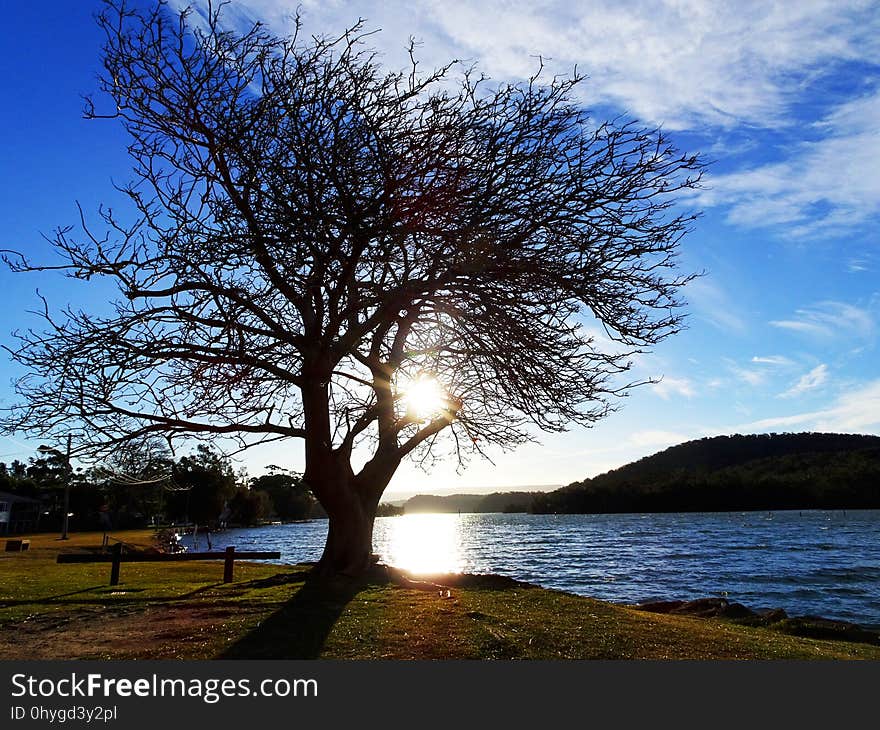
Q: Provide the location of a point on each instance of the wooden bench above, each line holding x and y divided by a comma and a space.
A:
115, 557
17, 546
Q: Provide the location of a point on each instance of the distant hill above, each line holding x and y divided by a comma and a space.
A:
495, 502
766, 471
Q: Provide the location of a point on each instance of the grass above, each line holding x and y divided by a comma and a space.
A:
183, 610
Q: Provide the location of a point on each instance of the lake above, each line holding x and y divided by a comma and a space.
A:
811, 562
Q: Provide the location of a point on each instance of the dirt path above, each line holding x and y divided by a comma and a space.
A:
181, 631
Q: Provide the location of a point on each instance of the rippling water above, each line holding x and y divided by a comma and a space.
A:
812, 562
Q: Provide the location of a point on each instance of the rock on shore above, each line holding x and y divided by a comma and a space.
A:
815, 627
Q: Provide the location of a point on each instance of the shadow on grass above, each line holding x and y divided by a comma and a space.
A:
273, 581
298, 629
101, 593
47, 599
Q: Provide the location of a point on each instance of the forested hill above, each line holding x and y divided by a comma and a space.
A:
494, 502
767, 471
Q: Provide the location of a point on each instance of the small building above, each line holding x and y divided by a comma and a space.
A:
18, 514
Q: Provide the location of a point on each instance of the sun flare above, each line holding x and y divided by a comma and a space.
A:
425, 397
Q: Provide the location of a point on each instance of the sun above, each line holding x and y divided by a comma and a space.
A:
425, 398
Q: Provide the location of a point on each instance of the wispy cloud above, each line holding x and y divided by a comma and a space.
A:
750, 376
857, 410
669, 386
828, 320
812, 380
860, 264
710, 302
775, 360
825, 186
683, 63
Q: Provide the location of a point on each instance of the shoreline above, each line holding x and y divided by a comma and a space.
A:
774, 619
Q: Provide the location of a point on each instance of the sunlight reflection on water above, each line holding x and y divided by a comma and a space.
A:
424, 543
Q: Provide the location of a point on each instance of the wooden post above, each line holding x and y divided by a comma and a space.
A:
227, 565
114, 566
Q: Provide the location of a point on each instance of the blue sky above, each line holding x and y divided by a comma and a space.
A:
783, 97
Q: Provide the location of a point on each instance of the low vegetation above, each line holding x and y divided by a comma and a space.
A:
183, 610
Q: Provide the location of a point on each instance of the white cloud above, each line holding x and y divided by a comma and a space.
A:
683, 63
750, 376
828, 320
817, 377
803, 327
826, 186
775, 360
856, 411
668, 387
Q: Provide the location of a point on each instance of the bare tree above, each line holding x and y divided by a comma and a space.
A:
316, 238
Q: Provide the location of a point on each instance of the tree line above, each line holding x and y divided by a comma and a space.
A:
143, 485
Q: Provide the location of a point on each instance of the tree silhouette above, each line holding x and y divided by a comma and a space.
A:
315, 234
291, 498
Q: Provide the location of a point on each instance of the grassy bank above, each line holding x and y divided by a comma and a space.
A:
184, 610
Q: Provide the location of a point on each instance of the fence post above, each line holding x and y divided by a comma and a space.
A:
227, 565
114, 566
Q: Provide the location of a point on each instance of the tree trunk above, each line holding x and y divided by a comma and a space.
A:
350, 501
349, 547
